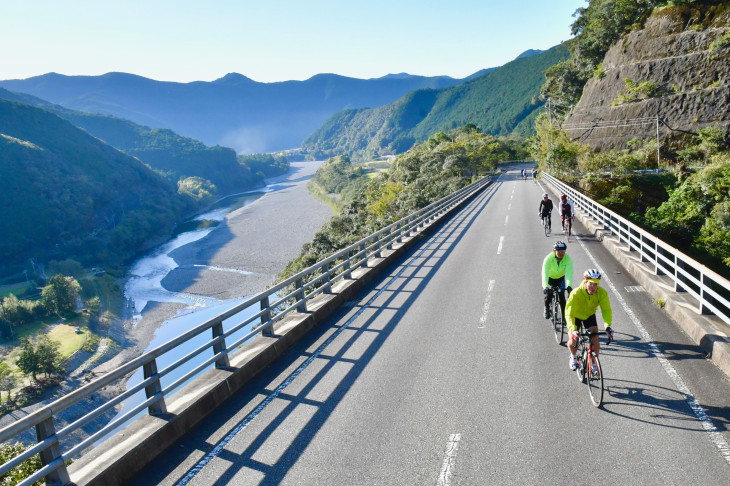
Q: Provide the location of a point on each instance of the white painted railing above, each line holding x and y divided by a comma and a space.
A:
711, 290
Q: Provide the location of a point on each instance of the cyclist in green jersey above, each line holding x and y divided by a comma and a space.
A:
557, 270
580, 310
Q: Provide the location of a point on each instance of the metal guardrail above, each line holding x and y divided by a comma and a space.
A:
711, 290
306, 284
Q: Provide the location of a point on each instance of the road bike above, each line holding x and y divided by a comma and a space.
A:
589, 366
558, 320
546, 224
567, 223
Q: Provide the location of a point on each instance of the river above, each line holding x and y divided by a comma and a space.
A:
144, 284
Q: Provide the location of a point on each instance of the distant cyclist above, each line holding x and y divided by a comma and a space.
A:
534, 174
566, 212
545, 209
580, 311
557, 271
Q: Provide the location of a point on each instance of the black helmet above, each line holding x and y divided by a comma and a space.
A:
560, 246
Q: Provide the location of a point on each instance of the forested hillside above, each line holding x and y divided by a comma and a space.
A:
429, 171
500, 102
201, 170
67, 194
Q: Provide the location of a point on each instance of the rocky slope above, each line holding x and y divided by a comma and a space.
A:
677, 67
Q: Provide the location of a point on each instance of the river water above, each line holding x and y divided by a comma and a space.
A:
144, 286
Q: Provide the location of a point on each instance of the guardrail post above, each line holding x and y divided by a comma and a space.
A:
658, 251
378, 245
704, 297
157, 407
299, 295
389, 239
266, 317
45, 430
327, 287
222, 362
678, 276
346, 268
364, 256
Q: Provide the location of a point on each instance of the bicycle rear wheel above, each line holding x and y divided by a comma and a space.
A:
558, 321
547, 228
595, 380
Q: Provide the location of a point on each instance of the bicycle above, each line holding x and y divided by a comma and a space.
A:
567, 226
558, 319
589, 366
546, 224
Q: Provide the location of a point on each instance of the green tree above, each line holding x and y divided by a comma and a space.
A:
24, 470
48, 355
59, 296
28, 359
8, 380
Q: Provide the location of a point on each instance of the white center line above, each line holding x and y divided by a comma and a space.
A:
449, 459
485, 307
499, 249
506, 218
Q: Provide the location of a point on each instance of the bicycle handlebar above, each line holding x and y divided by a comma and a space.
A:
597, 333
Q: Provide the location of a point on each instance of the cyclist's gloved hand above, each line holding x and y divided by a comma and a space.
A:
609, 331
575, 335
569, 289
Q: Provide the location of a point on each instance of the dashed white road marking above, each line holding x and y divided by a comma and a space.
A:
506, 218
449, 460
485, 306
499, 248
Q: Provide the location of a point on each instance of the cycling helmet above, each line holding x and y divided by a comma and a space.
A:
545, 195
560, 246
563, 197
592, 274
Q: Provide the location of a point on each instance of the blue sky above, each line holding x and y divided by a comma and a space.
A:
274, 40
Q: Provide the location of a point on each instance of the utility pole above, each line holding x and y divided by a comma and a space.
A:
658, 161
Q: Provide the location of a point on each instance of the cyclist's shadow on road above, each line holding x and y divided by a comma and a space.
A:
666, 407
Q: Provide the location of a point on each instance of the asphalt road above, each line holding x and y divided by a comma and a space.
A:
445, 372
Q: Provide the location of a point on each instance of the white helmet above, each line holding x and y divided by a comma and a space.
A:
591, 273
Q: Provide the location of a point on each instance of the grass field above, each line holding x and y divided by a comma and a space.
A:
15, 289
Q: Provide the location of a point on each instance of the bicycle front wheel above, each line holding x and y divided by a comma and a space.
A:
558, 322
594, 373
547, 228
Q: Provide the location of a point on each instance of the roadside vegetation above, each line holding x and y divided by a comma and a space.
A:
429, 171
42, 327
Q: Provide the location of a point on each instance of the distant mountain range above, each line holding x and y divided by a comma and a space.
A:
500, 101
233, 111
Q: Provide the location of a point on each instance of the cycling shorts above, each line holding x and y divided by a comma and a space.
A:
586, 323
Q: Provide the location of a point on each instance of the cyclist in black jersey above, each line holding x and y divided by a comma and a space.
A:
545, 209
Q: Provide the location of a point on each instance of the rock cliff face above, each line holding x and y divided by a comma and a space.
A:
677, 68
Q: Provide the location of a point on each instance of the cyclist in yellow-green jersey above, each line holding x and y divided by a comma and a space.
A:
580, 310
557, 271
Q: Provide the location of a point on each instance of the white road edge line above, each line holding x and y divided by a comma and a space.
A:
449, 459
485, 306
707, 423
